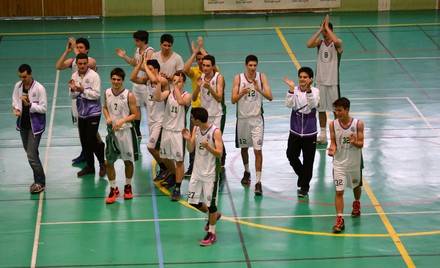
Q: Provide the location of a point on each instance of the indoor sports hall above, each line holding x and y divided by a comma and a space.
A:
389, 70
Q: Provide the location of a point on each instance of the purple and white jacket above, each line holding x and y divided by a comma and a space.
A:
87, 102
37, 111
303, 121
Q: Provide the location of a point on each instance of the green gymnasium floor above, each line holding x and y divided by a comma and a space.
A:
388, 70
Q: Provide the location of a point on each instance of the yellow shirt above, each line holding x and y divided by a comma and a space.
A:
195, 73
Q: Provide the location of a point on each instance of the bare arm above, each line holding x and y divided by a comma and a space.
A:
184, 100
236, 94
266, 91
332, 149
134, 75
63, 63
218, 150
190, 139
217, 93
161, 93
123, 55
358, 139
108, 118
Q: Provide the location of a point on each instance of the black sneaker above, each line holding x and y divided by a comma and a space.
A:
161, 175
175, 195
86, 171
169, 182
246, 180
36, 188
258, 189
80, 159
302, 193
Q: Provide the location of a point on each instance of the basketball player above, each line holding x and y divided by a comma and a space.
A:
327, 71
120, 111
80, 45
143, 51
85, 87
171, 143
248, 91
155, 109
206, 141
347, 141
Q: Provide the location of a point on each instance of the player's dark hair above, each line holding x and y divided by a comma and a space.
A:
181, 74
83, 41
251, 58
25, 68
119, 72
167, 38
82, 56
200, 113
154, 63
342, 102
210, 58
141, 35
306, 70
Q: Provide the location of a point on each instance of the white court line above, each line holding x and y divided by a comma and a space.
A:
46, 161
63, 106
419, 112
373, 98
239, 218
308, 61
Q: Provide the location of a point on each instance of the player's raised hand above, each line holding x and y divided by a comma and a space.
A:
195, 49
120, 52
186, 134
289, 82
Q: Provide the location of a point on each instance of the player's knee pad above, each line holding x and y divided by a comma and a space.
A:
212, 209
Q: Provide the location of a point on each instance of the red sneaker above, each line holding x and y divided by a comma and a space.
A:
209, 239
114, 193
128, 194
339, 225
356, 212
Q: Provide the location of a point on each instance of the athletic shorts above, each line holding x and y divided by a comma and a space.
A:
202, 191
154, 135
126, 143
249, 132
171, 145
327, 95
141, 94
346, 178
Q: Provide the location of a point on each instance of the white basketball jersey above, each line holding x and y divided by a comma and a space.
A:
249, 105
327, 65
213, 107
118, 105
155, 109
204, 161
347, 156
174, 117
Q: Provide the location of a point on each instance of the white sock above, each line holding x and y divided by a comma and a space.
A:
113, 183
246, 167
128, 181
340, 214
323, 132
211, 229
258, 176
